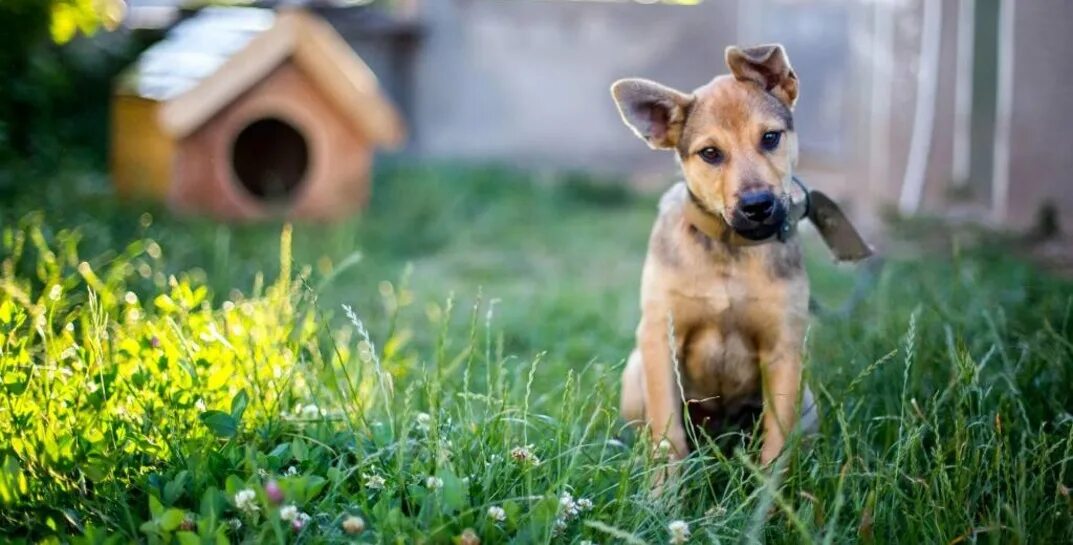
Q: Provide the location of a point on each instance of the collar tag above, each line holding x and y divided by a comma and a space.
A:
835, 228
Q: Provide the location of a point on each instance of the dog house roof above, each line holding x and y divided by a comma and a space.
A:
208, 60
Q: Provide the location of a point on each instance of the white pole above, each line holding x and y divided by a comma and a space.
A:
1000, 171
963, 93
880, 107
924, 117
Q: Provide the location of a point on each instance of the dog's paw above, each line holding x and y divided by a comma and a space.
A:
663, 479
770, 452
666, 454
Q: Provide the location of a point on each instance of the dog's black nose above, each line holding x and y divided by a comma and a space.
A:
757, 206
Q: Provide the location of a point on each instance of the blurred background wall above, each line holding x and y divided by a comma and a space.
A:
951, 107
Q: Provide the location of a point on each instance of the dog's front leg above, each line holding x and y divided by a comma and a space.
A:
663, 404
782, 385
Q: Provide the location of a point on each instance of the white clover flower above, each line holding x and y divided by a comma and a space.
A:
568, 508
663, 448
446, 449
679, 530
497, 513
291, 471
300, 521
310, 411
235, 524
558, 527
373, 481
189, 523
353, 525
469, 537
246, 501
423, 421
524, 455
584, 504
434, 483
288, 513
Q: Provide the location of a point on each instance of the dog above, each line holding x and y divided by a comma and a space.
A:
724, 292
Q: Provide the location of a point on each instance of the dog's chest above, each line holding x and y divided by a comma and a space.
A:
736, 294
720, 366
732, 310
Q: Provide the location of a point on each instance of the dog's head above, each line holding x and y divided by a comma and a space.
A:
734, 136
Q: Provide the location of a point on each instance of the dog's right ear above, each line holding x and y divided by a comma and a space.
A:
655, 112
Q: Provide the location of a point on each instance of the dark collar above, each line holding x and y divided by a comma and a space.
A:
712, 225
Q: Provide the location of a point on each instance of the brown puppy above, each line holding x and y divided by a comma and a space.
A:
723, 279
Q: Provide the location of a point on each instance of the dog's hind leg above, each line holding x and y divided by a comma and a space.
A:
632, 401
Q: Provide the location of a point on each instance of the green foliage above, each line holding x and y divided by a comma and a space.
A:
69, 17
55, 95
145, 398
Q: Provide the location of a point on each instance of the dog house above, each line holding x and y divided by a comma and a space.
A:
246, 113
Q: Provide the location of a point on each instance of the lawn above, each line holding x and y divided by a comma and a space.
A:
445, 369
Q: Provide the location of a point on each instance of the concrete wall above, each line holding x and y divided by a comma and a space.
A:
526, 81
1041, 165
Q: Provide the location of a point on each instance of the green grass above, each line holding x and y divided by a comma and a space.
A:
154, 367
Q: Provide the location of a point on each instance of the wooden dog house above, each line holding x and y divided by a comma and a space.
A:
246, 113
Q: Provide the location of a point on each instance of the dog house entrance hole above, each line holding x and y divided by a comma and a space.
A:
270, 158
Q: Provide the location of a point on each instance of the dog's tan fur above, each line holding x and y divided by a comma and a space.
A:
738, 312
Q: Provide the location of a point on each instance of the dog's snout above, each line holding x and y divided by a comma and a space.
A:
757, 206
758, 215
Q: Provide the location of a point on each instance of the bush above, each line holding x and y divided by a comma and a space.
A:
55, 98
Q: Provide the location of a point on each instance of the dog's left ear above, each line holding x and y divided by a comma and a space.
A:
767, 65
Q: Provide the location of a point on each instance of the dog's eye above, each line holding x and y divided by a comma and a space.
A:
770, 140
711, 155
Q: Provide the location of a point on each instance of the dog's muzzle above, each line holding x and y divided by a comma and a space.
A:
759, 215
